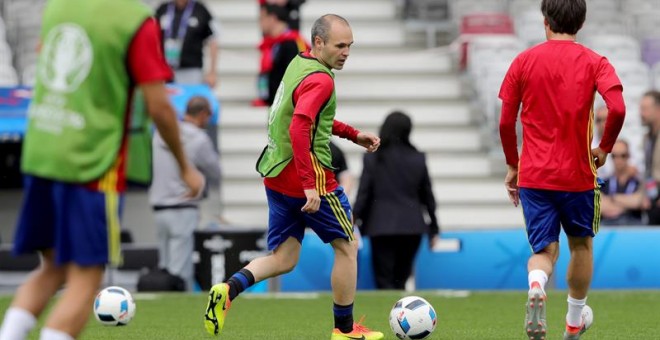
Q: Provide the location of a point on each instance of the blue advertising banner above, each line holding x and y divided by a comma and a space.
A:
14, 103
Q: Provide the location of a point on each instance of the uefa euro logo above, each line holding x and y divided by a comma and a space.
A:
66, 58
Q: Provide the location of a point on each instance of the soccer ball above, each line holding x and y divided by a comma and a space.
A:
412, 318
587, 316
114, 306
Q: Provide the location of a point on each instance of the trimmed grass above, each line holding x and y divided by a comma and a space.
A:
479, 315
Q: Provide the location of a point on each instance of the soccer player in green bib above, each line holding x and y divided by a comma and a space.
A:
300, 184
93, 53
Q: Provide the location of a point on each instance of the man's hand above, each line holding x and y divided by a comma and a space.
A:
210, 79
369, 141
599, 156
511, 184
313, 201
194, 180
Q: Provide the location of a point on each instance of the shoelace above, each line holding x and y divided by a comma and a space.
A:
358, 326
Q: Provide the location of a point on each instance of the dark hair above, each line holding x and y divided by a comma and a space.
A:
196, 105
396, 130
655, 95
321, 26
624, 142
564, 16
279, 12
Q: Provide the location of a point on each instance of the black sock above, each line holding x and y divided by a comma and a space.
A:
240, 281
343, 317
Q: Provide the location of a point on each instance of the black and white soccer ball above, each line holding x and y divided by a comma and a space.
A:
114, 306
412, 318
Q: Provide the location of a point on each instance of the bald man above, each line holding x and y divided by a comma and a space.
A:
177, 215
300, 184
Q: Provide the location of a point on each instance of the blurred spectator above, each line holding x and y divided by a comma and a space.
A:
187, 26
292, 8
342, 174
600, 117
623, 193
650, 112
177, 216
395, 190
279, 46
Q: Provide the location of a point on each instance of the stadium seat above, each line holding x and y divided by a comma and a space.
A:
616, 47
651, 50
486, 23
633, 74
29, 74
8, 76
656, 76
462, 8
474, 25
529, 27
645, 23
520, 6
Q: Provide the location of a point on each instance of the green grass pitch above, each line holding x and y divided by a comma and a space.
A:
474, 315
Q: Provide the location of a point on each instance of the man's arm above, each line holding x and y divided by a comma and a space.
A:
212, 44
148, 69
211, 77
616, 114
509, 140
207, 161
164, 117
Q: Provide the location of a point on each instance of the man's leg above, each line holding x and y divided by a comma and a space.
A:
282, 260
181, 244
344, 282
162, 232
541, 265
383, 259
543, 226
69, 316
580, 271
32, 297
405, 258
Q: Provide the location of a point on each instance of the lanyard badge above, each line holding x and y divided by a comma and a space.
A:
173, 44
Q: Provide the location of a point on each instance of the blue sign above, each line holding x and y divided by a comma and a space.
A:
181, 94
624, 258
486, 260
14, 103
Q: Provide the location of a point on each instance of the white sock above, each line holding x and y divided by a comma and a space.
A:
537, 275
574, 315
54, 334
17, 324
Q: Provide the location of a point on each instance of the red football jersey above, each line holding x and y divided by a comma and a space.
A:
556, 83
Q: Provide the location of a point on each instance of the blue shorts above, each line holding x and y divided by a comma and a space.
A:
80, 224
546, 211
332, 221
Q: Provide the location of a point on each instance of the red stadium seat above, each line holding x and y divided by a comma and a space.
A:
481, 23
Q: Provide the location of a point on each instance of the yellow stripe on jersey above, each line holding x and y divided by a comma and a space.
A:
590, 132
302, 46
340, 214
108, 185
596, 223
320, 175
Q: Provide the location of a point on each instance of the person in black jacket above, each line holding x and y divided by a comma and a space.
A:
395, 190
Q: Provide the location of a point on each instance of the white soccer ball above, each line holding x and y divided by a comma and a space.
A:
114, 306
587, 316
412, 318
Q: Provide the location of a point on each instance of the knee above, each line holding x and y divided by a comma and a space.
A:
51, 273
286, 263
347, 249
